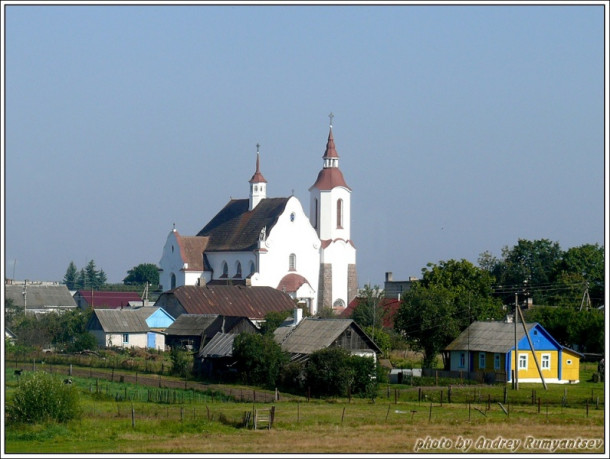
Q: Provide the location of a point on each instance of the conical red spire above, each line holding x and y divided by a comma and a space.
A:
330, 152
258, 177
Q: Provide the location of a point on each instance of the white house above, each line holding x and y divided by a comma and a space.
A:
262, 241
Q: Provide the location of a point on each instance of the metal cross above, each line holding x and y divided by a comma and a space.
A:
257, 147
331, 116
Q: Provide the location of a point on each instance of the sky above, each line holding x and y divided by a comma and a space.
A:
460, 129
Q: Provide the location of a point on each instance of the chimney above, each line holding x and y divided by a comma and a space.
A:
388, 276
298, 315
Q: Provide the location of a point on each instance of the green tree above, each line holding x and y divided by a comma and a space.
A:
182, 362
259, 359
273, 320
448, 298
583, 267
327, 372
42, 397
71, 276
369, 310
142, 274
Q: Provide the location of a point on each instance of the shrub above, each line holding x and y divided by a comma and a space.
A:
259, 358
42, 397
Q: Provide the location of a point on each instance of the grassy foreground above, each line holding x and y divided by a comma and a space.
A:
122, 420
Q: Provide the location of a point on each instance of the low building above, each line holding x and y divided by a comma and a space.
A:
39, 297
103, 299
488, 348
141, 328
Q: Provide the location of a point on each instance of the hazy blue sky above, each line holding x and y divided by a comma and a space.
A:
460, 129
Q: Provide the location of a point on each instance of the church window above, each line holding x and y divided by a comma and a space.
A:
255, 188
172, 248
292, 216
225, 269
292, 262
238, 270
173, 281
251, 267
315, 213
340, 213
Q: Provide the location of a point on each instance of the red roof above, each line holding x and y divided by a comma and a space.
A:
330, 152
329, 178
192, 249
106, 299
290, 283
257, 177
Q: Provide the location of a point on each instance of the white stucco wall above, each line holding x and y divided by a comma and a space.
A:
290, 237
327, 203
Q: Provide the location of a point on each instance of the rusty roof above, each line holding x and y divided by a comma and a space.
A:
235, 228
107, 299
192, 249
329, 178
229, 300
291, 282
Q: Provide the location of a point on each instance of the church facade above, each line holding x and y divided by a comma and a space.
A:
261, 241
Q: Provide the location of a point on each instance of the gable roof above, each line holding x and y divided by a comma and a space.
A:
235, 228
107, 299
221, 345
40, 296
124, 320
191, 324
311, 335
192, 249
495, 336
228, 300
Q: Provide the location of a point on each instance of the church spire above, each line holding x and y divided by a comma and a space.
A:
258, 184
331, 158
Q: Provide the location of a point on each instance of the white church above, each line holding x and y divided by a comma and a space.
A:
263, 241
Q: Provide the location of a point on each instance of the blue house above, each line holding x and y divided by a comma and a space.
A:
489, 348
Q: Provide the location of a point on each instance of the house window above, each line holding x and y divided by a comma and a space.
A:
546, 362
522, 361
481, 360
497, 361
225, 269
125, 338
292, 262
238, 270
462, 363
340, 213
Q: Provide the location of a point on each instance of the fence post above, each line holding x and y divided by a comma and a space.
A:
342, 415
388, 413
430, 413
449, 394
133, 416
70, 373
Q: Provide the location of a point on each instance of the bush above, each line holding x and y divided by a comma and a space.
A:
42, 397
259, 359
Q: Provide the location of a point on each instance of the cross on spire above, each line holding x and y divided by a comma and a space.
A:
331, 116
258, 145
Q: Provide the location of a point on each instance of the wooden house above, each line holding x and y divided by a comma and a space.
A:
311, 334
142, 327
192, 331
489, 348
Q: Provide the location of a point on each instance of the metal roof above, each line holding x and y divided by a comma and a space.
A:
229, 300
107, 299
40, 296
191, 324
489, 337
236, 228
221, 345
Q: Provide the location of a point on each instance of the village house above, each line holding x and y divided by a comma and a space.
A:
104, 299
488, 349
227, 300
141, 327
39, 297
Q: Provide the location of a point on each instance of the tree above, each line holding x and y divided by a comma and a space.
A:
71, 276
369, 309
328, 372
259, 359
273, 320
142, 274
42, 397
584, 264
448, 298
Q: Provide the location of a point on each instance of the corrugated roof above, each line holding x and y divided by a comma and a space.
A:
108, 299
235, 228
40, 296
191, 324
221, 345
311, 335
124, 320
192, 249
229, 300
489, 337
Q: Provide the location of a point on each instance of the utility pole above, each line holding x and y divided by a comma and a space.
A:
516, 382
586, 295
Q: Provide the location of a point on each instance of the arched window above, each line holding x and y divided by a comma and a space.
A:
238, 270
339, 213
252, 268
173, 281
315, 213
292, 262
225, 269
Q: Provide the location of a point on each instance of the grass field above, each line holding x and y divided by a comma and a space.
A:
127, 418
